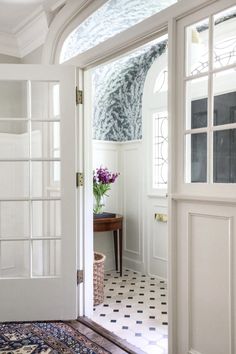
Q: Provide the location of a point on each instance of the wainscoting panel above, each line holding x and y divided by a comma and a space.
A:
205, 278
106, 154
132, 205
157, 235
210, 270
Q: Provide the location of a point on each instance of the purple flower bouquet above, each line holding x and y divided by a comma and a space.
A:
102, 180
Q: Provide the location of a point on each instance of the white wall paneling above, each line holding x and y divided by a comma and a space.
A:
133, 205
157, 238
206, 268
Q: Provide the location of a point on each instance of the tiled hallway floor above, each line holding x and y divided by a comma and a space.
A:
135, 309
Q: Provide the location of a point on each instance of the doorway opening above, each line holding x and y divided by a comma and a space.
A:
130, 132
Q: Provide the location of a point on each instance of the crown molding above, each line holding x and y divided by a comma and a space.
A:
31, 33
9, 45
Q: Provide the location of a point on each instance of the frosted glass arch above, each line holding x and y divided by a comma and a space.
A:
112, 18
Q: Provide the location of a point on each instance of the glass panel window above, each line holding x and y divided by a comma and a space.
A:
116, 16
13, 91
225, 97
45, 139
197, 48
45, 100
30, 205
42, 174
160, 149
14, 179
225, 156
46, 218
196, 103
14, 259
14, 219
211, 100
225, 38
14, 139
196, 158
46, 258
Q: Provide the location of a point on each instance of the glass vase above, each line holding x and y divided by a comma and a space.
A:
98, 204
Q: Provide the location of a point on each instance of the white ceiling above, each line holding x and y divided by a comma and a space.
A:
14, 12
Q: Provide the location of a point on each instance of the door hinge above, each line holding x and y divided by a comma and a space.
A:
79, 179
79, 96
80, 276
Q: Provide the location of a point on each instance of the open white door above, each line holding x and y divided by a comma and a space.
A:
204, 183
37, 193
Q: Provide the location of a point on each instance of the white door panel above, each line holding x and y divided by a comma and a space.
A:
205, 269
37, 193
204, 189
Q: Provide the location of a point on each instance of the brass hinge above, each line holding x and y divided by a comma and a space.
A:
80, 276
79, 96
79, 179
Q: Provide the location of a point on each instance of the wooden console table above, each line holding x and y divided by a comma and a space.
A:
114, 224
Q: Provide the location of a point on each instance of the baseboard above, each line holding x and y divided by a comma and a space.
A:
134, 265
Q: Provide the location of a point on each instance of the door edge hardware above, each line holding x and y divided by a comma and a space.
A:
79, 179
80, 276
79, 96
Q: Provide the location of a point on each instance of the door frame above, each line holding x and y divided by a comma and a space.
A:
70, 17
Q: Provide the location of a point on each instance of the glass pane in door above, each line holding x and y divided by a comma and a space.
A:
30, 205
46, 218
224, 156
46, 257
225, 97
196, 158
14, 219
225, 38
45, 137
197, 103
14, 259
13, 99
45, 99
197, 51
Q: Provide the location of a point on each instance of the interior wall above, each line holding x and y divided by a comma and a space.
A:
7, 59
34, 57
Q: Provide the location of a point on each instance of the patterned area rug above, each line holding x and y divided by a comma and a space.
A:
45, 338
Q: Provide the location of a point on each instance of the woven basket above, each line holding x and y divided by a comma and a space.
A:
98, 278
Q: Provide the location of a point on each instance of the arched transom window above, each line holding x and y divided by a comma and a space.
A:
110, 19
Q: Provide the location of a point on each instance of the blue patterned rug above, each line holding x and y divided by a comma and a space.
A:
45, 338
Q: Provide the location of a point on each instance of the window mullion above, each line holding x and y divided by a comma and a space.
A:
210, 105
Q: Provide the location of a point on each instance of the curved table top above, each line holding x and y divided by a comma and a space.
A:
108, 223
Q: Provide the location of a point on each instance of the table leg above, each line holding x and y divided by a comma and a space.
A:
120, 249
115, 248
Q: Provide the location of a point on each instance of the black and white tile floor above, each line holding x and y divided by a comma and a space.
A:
135, 309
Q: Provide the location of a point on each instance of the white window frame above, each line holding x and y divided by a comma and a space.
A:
210, 128
208, 188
